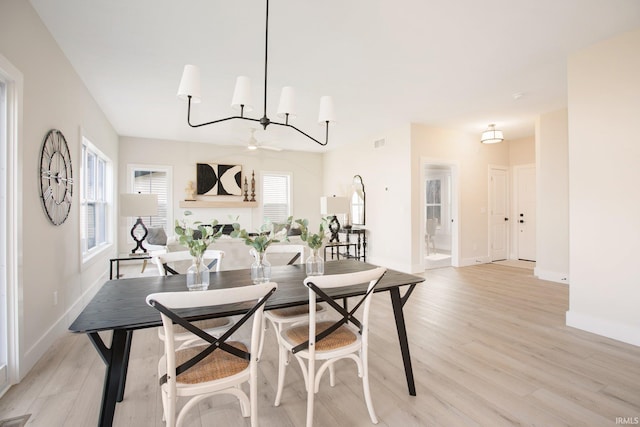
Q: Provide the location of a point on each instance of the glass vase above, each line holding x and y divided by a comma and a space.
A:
260, 269
198, 275
315, 264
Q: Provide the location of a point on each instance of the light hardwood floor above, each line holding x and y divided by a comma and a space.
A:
489, 348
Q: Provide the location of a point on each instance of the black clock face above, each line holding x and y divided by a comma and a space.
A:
56, 177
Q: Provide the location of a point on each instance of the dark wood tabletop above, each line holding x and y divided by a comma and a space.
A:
120, 304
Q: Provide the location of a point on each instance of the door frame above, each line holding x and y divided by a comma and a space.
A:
454, 166
12, 220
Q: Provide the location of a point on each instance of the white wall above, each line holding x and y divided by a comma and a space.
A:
552, 210
604, 206
386, 174
183, 156
54, 97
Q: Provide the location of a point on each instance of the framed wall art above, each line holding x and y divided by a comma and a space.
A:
219, 180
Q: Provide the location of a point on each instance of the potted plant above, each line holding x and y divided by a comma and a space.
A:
197, 236
315, 263
267, 234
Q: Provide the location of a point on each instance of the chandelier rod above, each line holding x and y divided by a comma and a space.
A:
264, 121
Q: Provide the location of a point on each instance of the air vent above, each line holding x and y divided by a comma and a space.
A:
379, 143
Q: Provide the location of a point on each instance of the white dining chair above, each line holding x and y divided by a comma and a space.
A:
330, 341
219, 366
288, 315
168, 263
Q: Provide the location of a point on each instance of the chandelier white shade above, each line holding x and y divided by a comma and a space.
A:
189, 89
242, 94
190, 84
491, 135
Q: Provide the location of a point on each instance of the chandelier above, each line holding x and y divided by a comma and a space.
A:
189, 90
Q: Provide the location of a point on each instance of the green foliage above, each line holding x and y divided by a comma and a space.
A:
314, 241
266, 234
196, 245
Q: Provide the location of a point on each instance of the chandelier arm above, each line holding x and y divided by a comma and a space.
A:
266, 50
306, 134
241, 116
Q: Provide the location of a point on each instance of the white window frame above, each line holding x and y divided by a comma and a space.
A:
131, 169
289, 176
89, 254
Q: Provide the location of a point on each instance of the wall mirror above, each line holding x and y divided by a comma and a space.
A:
357, 201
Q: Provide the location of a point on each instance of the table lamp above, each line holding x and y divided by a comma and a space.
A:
334, 206
138, 205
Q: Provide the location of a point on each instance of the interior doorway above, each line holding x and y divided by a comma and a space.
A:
439, 215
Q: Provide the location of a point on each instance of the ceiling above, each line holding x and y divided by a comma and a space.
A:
456, 64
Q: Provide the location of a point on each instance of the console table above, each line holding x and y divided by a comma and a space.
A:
360, 243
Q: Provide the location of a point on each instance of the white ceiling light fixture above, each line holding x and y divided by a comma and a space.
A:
189, 90
491, 135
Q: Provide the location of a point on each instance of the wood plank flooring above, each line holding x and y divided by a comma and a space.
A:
489, 348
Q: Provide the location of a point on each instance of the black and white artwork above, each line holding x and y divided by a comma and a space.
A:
219, 180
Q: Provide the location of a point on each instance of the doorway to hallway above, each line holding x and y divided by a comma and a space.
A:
439, 215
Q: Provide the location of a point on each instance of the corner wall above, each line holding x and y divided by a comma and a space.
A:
552, 211
604, 206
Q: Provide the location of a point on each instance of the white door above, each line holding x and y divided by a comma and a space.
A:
4, 379
498, 213
526, 213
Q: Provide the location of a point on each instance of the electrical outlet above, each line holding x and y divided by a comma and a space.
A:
55, 298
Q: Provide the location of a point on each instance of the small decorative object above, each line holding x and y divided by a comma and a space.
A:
267, 234
315, 263
197, 240
246, 190
56, 177
219, 180
253, 186
190, 192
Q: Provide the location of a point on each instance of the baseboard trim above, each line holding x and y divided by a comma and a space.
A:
58, 329
607, 328
466, 262
552, 276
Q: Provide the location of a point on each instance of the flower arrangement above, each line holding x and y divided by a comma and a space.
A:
314, 241
197, 236
267, 234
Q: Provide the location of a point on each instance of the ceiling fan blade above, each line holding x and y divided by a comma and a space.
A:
268, 147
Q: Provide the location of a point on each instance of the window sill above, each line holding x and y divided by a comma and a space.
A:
95, 256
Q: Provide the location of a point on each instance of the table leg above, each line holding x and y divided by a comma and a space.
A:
114, 358
397, 303
125, 365
111, 270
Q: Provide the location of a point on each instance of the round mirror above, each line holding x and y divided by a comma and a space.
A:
357, 201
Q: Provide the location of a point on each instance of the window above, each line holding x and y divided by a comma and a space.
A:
276, 196
434, 200
147, 179
95, 172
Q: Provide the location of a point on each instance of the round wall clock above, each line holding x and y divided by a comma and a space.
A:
56, 177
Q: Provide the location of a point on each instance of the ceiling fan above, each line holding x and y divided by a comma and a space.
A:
253, 143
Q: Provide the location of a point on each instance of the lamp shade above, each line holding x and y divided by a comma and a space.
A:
287, 103
334, 205
327, 112
491, 135
136, 204
190, 84
242, 94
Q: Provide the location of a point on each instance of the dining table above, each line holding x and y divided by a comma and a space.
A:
119, 306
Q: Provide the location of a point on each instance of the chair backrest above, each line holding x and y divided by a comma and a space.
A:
166, 302
317, 286
296, 251
213, 259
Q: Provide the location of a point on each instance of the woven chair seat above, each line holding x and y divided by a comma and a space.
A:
218, 364
300, 310
204, 324
341, 337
